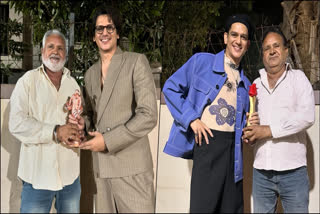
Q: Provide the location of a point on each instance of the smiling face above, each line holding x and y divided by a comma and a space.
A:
54, 53
106, 42
274, 53
236, 41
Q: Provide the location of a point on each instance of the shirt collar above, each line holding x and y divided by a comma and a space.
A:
264, 77
65, 72
263, 72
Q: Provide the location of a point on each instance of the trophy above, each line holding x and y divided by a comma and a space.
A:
74, 107
252, 100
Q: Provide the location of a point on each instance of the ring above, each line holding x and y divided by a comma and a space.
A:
196, 134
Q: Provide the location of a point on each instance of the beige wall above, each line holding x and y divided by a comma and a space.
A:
10, 148
174, 175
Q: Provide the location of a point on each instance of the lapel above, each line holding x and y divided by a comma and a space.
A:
111, 78
96, 89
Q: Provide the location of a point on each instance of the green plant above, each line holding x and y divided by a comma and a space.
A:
45, 15
186, 31
9, 31
144, 25
5, 71
144, 31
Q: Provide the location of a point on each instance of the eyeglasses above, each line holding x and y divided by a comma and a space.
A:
100, 28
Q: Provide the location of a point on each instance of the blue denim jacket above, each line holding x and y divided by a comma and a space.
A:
189, 90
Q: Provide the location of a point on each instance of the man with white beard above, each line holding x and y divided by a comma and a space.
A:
49, 162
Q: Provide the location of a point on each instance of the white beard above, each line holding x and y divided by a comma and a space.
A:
54, 67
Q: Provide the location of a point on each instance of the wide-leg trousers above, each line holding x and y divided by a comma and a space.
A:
212, 183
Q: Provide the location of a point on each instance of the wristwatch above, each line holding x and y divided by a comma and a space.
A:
55, 134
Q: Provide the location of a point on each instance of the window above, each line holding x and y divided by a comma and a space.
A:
4, 16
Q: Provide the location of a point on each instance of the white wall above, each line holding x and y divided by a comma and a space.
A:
174, 174
10, 149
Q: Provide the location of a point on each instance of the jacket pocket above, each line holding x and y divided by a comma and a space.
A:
198, 93
201, 86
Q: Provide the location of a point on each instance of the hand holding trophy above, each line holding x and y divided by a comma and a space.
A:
74, 107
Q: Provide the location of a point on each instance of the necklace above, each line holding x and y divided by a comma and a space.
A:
233, 68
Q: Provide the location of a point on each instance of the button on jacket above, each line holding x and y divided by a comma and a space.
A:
187, 92
36, 107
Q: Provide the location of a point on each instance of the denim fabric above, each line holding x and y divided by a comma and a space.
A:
189, 90
292, 186
39, 201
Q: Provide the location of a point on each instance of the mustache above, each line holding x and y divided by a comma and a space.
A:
53, 66
54, 56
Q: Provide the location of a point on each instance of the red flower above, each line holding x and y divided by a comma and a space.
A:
252, 90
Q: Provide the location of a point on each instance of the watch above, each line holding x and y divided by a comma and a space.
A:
55, 134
